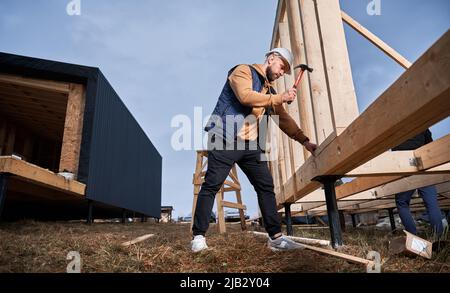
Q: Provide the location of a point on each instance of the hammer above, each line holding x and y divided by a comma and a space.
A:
302, 67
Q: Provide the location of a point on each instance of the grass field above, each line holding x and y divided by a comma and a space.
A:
29, 246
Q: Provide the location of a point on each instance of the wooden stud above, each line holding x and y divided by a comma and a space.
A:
241, 208
298, 49
295, 148
344, 107
73, 128
317, 79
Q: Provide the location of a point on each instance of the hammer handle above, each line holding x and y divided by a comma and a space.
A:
297, 81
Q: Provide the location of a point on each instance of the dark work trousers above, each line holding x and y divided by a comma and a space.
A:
429, 196
220, 163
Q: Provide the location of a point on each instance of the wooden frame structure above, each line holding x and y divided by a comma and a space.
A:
353, 145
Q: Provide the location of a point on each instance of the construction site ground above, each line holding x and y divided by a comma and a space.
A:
29, 246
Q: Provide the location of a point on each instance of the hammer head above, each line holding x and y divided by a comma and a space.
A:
304, 67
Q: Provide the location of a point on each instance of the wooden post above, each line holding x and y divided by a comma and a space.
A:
73, 128
344, 107
391, 218
220, 213
2, 136
353, 220
286, 158
287, 213
296, 149
197, 181
298, 49
10, 140
3, 187
28, 149
239, 198
317, 79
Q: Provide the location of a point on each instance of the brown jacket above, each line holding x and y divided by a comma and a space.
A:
241, 83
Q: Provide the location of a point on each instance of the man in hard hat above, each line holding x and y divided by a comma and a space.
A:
248, 93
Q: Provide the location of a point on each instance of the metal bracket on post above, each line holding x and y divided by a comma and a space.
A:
3, 187
89, 219
287, 215
328, 182
391, 218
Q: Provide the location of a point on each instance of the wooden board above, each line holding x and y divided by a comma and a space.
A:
73, 129
40, 176
376, 41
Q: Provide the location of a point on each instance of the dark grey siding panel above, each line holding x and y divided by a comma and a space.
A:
124, 166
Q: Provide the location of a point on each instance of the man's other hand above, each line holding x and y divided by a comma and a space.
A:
311, 147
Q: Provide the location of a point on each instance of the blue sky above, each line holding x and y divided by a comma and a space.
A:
166, 57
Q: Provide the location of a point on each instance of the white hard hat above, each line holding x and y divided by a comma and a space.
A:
286, 56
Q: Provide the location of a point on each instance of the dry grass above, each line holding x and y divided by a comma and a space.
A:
42, 247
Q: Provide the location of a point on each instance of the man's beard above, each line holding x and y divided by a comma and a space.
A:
270, 75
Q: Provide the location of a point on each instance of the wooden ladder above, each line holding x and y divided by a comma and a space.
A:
231, 184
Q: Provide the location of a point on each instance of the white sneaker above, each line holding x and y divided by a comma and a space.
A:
199, 243
283, 243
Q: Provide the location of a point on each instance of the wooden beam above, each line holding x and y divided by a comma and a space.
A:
53, 86
281, 10
233, 205
40, 176
376, 41
392, 188
408, 162
73, 129
410, 183
344, 256
303, 240
362, 184
388, 163
434, 153
317, 80
296, 149
298, 49
417, 100
341, 91
137, 240
285, 159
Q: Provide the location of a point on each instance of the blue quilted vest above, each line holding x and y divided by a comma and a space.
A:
228, 104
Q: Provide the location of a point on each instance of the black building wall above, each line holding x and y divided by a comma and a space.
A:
124, 168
